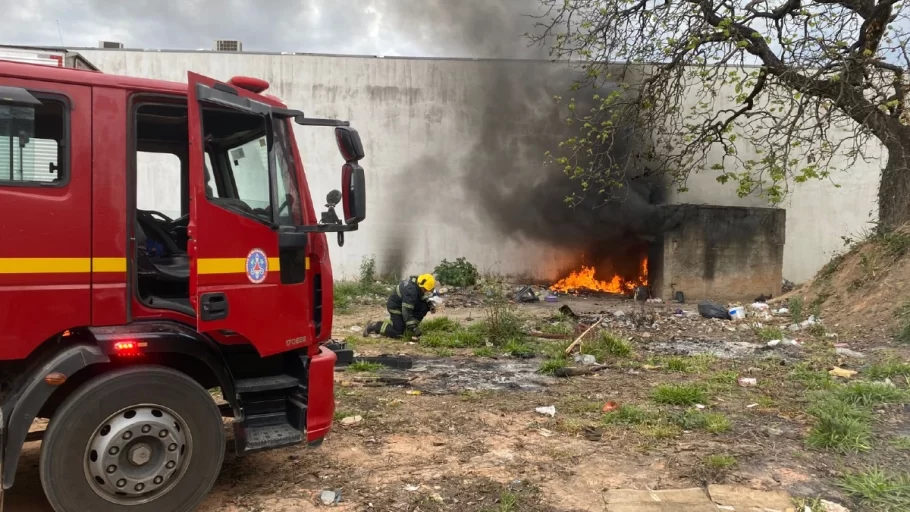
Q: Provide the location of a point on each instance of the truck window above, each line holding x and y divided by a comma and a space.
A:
250, 168
158, 183
32, 144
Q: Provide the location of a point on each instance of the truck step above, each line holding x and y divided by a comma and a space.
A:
270, 383
252, 439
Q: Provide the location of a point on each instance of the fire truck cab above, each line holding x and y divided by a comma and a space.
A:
123, 303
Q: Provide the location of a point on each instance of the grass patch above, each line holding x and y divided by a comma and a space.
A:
444, 335
518, 347
364, 367
718, 462
901, 443
349, 293
713, 422
811, 378
767, 334
502, 324
723, 381
443, 352
870, 394
439, 324
717, 423
484, 352
629, 415
841, 434
877, 490
679, 394
887, 369
795, 305
549, 366
607, 343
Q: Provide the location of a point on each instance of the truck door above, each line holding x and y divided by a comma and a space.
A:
246, 271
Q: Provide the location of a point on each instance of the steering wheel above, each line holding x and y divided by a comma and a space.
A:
155, 213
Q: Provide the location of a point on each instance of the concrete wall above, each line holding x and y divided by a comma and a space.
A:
427, 126
721, 253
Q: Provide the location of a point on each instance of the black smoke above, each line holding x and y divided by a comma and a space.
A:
505, 179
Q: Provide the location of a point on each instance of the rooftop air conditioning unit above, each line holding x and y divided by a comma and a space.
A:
110, 45
228, 45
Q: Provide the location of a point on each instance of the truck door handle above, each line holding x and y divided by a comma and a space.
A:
214, 306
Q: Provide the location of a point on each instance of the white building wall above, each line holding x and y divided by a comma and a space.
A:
420, 119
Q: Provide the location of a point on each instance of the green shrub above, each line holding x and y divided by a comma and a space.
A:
461, 272
679, 394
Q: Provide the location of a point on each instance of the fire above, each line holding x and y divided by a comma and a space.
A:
584, 280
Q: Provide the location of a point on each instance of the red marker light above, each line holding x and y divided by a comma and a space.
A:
126, 348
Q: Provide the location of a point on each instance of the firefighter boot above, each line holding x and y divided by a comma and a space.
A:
372, 328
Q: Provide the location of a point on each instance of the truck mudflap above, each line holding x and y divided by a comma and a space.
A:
35, 392
321, 399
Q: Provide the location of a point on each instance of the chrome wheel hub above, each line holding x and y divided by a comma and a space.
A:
137, 454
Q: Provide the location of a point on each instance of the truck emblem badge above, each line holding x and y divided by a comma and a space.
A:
257, 266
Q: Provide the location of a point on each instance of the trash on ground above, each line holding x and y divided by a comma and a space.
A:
527, 294
619, 313
773, 343
546, 433
711, 310
578, 372
679, 297
356, 328
610, 406
549, 410
750, 406
783, 311
350, 421
411, 487
551, 298
830, 506
760, 306
748, 382
841, 372
585, 359
413, 392
567, 312
329, 498
737, 313
699, 406
841, 351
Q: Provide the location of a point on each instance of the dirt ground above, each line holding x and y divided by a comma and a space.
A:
464, 434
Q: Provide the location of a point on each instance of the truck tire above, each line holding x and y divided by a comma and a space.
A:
141, 439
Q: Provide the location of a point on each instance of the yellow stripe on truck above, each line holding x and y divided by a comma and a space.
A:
61, 265
209, 266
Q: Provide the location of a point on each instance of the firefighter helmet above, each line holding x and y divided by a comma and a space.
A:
427, 282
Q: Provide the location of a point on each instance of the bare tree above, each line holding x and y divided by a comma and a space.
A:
791, 90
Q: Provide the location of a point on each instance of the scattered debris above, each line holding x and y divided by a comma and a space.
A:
585, 359
395, 362
412, 487
841, 351
578, 372
787, 286
329, 498
841, 372
619, 313
711, 310
679, 297
526, 295
829, 506
549, 410
763, 298
577, 341
350, 421
751, 406
567, 312
610, 406
356, 328
551, 298
737, 313
699, 406
413, 392
748, 382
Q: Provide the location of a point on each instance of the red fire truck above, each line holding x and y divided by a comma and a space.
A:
117, 319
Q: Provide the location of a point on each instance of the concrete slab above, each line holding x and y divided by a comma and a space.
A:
743, 499
671, 500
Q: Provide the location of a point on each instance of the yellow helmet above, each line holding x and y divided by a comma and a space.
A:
427, 282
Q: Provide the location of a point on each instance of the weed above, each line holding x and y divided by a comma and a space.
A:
870, 393
811, 378
722, 381
887, 369
679, 394
818, 330
347, 293
878, 490
716, 423
769, 333
629, 415
677, 364
555, 328
841, 434
550, 366
607, 343
720, 461
461, 272
831, 267
364, 366
484, 352
516, 347
901, 443
368, 270
765, 402
796, 309
502, 324
441, 324
508, 502
808, 504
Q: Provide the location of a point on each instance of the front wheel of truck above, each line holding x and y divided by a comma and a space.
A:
141, 439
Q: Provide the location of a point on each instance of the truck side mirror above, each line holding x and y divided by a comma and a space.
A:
353, 184
349, 144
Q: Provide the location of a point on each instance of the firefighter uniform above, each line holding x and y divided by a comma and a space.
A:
407, 306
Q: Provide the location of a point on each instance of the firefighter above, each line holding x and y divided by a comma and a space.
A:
407, 305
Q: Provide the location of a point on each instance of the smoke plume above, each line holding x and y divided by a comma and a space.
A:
520, 122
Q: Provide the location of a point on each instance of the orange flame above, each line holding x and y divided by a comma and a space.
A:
584, 280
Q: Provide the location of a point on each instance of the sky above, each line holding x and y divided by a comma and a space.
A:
421, 28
